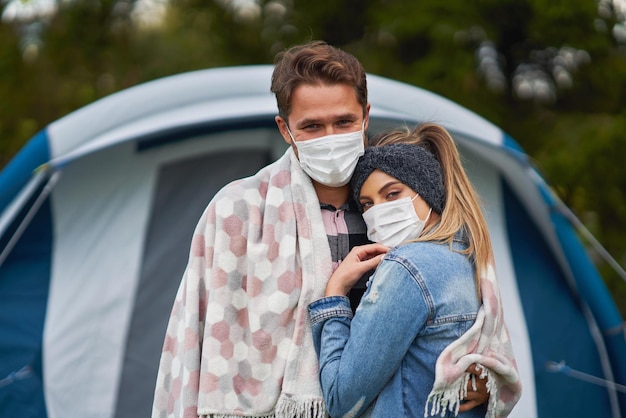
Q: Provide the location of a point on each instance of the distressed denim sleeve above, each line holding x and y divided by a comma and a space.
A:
359, 355
332, 307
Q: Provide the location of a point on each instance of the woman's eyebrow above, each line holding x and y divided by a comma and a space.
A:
383, 188
388, 185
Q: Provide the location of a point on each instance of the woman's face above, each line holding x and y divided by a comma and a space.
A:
380, 187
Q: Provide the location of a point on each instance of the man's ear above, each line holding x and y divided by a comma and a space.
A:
282, 128
367, 117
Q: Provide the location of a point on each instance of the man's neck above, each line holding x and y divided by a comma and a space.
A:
335, 196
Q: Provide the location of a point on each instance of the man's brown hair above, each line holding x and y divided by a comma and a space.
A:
315, 63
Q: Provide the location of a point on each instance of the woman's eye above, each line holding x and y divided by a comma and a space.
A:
392, 195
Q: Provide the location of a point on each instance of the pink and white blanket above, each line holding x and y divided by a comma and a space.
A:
486, 344
238, 343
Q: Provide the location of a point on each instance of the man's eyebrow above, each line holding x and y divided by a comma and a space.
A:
307, 121
344, 116
347, 116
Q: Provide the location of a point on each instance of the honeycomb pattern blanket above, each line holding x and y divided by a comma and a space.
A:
487, 345
238, 342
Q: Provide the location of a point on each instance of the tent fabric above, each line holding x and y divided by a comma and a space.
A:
168, 232
91, 269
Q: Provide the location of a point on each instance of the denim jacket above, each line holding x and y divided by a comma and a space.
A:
381, 363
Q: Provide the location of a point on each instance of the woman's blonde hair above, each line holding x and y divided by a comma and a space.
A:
462, 210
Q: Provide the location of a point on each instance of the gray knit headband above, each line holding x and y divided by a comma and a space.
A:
409, 163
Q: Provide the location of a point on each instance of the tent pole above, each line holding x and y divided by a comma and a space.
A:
594, 242
45, 192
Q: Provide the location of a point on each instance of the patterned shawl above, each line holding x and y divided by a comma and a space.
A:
238, 342
486, 344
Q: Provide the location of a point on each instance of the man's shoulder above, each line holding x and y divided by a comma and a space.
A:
253, 189
244, 189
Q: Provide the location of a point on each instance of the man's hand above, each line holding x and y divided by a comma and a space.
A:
478, 396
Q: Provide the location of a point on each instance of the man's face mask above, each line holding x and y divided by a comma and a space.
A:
395, 222
330, 160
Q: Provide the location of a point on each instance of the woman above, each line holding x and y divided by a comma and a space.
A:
424, 296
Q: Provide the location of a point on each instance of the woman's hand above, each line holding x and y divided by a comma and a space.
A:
359, 260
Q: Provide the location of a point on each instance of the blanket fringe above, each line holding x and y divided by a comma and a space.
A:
285, 408
271, 415
308, 408
449, 398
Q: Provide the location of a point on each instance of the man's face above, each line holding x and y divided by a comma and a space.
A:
318, 110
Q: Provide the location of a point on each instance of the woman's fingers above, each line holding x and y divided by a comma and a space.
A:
367, 251
359, 261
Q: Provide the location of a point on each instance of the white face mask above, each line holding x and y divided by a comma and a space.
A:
330, 160
395, 222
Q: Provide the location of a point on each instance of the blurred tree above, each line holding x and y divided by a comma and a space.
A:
550, 73
16, 124
60, 60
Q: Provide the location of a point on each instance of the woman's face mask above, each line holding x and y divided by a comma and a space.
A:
392, 223
330, 159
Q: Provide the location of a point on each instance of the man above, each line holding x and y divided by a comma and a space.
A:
238, 342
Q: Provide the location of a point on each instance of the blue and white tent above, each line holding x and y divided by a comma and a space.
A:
97, 211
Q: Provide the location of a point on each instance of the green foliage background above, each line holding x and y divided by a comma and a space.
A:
471, 52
